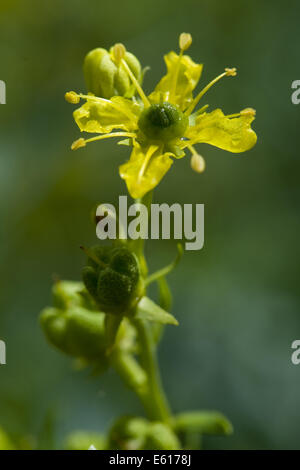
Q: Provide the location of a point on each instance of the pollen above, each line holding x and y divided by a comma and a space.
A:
72, 97
185, 41
231, 72
78, 143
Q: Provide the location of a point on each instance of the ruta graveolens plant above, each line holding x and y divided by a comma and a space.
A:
107, 320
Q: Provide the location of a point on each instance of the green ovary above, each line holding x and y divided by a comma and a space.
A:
163, 122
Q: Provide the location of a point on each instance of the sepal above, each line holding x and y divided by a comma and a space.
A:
149, 310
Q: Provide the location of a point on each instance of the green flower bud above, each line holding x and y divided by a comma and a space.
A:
130, 432
67, 293
77, 332
164, 122
75, 328
104, 75
161, 437
112, 278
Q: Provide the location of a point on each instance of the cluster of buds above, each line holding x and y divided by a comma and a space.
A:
112, 278
75, 327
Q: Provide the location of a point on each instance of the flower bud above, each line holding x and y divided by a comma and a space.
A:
112, 278
161, 437
77, 332
104, 75
129, 431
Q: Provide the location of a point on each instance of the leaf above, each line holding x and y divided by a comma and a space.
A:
148, 310
204, 422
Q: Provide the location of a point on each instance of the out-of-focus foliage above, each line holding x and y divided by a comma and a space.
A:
237, 300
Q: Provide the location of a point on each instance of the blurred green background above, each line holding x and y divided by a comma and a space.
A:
237, 300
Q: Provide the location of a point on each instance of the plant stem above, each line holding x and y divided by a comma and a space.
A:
156, 397
138, 245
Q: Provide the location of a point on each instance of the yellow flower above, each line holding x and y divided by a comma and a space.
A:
163, 125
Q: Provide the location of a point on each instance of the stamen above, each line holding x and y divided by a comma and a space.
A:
82, 142
121, 109
78, 143
197, 161
244, 112
228, 73
185, 40
231, 116
248, 112
72, 97
136, 84
151, 150
231, 72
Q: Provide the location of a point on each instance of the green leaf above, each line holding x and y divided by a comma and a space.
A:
204, 422
148, 310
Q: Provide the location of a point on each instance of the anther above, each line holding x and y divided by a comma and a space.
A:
78, 143
197, 163
231, 72
119, 52
185, 41
72, 97
248, 112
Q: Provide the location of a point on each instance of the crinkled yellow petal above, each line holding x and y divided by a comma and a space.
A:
145, 169
231, 134
187, 73
102, 116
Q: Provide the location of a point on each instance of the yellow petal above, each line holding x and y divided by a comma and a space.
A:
187, 73
233, 134
145, 169
101, 116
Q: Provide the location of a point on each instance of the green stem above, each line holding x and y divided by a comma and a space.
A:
144, 379
133, 375
138, 245
159, 406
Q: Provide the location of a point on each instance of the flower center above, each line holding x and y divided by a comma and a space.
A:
163, 122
